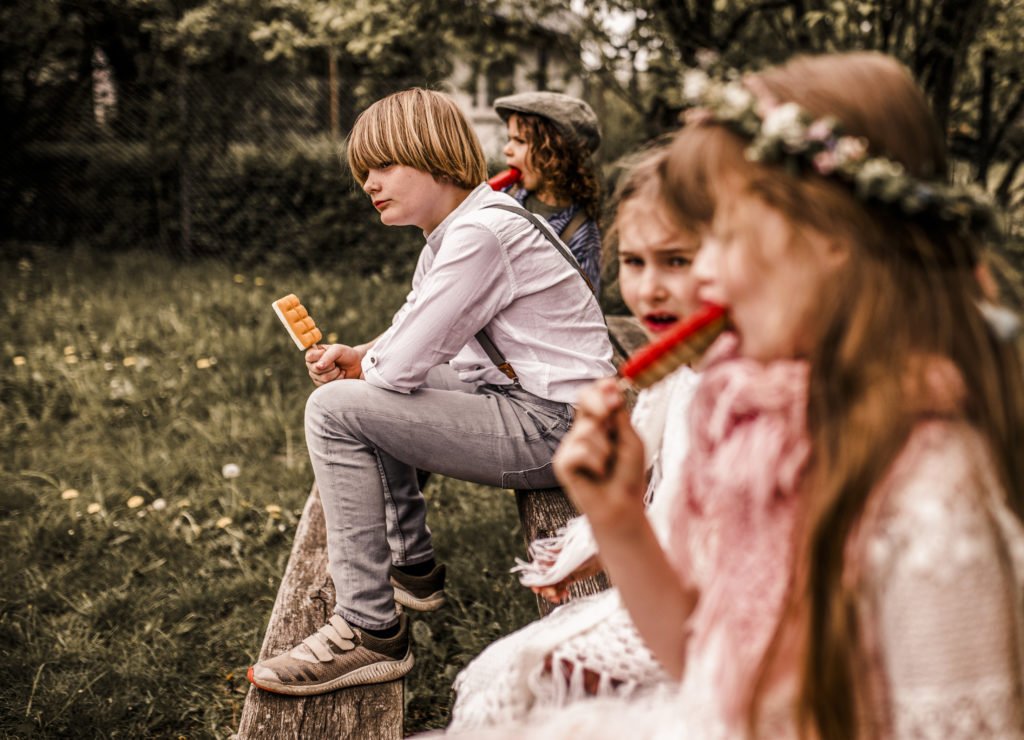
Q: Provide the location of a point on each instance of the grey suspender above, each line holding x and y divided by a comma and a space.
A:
481, 336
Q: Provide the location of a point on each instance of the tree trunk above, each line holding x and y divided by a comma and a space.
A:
334, 101
956, 26
983, 151
184, 162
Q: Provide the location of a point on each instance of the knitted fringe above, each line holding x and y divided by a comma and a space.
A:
553, 559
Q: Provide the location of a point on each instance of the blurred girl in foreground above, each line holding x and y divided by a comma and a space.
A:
855, 440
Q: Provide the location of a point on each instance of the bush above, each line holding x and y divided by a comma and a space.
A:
104, 192
291, 206
296, 206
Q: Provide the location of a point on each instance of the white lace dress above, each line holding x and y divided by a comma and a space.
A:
594, 634
939, 568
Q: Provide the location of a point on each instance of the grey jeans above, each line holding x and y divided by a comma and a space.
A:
366, 443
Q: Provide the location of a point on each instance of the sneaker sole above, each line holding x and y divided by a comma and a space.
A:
380, 672
427, 604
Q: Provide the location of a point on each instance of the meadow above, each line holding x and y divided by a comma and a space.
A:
153, 472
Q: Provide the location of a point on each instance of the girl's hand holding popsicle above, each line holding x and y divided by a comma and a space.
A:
600, 461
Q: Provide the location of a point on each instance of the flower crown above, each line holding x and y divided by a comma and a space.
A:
787, 134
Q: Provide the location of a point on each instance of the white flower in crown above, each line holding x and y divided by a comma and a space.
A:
878, 168
851, 149
736, 99
825, 162
880, 178
695, 84
821, 130
785, 122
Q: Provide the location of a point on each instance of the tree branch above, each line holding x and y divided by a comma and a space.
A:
1009, 119
740, 21
984, 150
1006, 182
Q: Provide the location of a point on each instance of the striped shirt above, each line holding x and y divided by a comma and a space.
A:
585, 244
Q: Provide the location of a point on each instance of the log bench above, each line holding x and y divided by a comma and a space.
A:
305, 601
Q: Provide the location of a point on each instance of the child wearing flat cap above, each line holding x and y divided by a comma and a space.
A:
551, 138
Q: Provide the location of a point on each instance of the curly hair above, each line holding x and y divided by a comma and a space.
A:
564, 163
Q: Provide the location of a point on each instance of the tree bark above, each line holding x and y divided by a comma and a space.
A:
944, 49
983, 152
184, 162
334, 104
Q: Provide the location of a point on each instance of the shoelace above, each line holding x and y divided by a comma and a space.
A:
337, 631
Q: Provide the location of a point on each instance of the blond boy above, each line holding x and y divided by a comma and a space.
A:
491, 289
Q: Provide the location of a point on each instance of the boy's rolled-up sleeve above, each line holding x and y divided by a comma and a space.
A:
465, 287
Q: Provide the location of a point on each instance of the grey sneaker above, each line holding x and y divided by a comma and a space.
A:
422, 593
335, 656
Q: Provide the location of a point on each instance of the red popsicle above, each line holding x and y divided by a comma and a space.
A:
683, 343
503, 179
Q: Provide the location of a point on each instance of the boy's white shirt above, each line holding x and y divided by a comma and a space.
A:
488, 268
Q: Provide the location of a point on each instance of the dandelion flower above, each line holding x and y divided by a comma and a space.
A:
71, 359
69, 350
128, 361
231, 470
332, 337
159, 504
258, 281
69, 495
203, 363
94, 508
273, 509
19, 360
135, 502
223, 522
239, 278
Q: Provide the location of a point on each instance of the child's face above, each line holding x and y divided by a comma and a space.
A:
517, 154
655, 257
768, 276
406, 196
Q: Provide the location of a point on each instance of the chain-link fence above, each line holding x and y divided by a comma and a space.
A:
208, 165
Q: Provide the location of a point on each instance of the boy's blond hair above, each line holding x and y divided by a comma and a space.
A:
418, 128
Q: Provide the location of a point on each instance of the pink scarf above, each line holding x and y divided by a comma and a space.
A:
738, 508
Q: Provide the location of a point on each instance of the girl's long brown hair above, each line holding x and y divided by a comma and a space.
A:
907, 291
566, 165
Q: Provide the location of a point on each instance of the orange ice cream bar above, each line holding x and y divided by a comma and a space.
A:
297, 321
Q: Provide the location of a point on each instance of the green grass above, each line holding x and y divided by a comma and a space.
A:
136, 579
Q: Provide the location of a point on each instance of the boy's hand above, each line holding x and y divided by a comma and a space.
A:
333, 362
600, 462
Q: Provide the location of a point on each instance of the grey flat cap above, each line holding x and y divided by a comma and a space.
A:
572, 116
